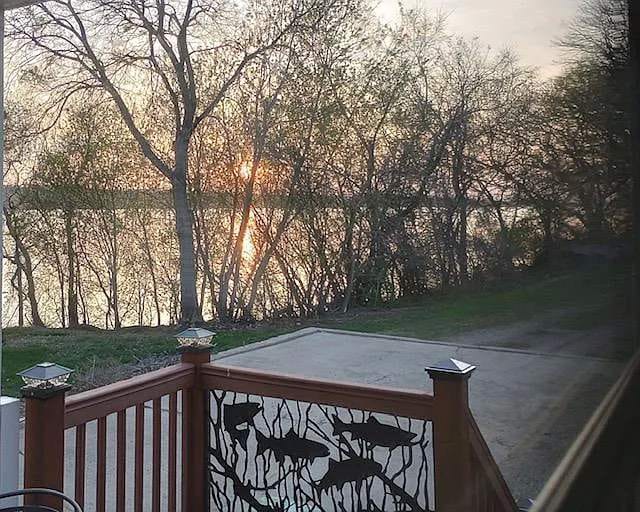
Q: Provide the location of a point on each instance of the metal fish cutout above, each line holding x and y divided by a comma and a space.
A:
292, 446
374, 433
240, 436
350, 470
238, 414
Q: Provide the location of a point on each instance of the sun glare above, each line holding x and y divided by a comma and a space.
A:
245, 170
248, 248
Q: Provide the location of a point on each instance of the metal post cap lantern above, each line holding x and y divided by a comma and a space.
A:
195, 337
45, 376
450, 369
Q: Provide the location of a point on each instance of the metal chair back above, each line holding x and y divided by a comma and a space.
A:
37, 508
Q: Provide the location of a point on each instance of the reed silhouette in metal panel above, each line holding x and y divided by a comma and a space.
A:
273, 455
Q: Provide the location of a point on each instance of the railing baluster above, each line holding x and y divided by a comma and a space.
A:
155, 466
171, 463
121, 460
139, 459
101, 462
81, 440
186, 410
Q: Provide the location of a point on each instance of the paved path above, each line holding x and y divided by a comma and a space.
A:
546, 333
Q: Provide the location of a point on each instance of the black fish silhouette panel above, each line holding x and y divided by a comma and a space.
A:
374, 433
292, 446
275, 455
239, 414
350, 470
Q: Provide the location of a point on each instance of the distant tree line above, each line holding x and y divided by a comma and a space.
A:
351, 162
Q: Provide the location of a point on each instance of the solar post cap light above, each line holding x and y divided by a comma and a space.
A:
45, 376
195, 337
451, 367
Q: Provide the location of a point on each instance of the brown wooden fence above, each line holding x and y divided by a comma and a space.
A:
183, 467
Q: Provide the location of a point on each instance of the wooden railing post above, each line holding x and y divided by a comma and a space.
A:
44, 442
451, 443
195, 431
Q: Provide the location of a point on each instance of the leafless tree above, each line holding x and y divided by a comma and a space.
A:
166, 45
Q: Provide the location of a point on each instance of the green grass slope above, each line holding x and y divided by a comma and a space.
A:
591, 296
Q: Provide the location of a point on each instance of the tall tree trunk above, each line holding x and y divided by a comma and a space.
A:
226, 266
189, 310
506, 247
463, 256
203, 249
115, 298
376, 267
19, 288
349, 259
223, 295
27, 267
462, 200
272, 244
72, 292
63, 303
235, 264
546, 255
115, 304
151, 267
86, 320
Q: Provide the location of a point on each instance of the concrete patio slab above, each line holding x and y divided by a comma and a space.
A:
530, 406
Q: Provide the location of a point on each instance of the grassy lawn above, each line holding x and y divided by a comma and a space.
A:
83, 350
590, 297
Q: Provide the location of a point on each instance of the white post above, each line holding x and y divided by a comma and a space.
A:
3, 432
9, 447
6, 450
1, 184
9, 407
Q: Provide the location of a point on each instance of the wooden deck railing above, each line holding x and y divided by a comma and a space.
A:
187, 406
491, 491
409, 403
116, 399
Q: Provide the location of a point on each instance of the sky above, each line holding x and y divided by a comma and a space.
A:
528, 27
